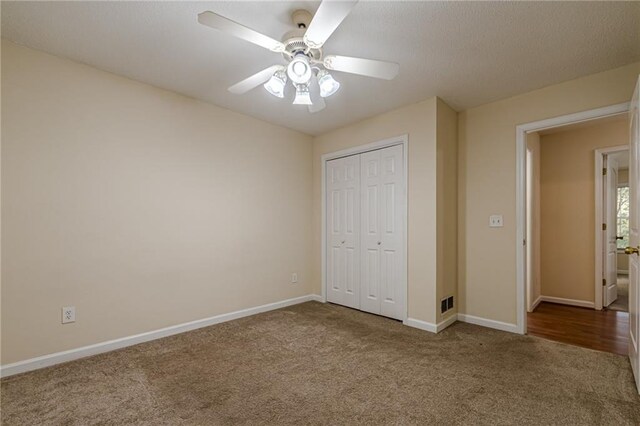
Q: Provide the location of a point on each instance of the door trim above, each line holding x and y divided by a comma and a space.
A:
599, 194
521, 149
397, 140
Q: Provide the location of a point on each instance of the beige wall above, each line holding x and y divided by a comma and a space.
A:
447, 207
141, 207
533, 230
567, 179
623, 263
623, 176
426, 159
487, 178
117, 198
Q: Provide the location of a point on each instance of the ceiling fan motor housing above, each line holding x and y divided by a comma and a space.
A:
293, 43
293, 40
301, 18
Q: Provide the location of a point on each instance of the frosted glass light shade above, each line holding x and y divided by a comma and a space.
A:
328, 86
276, 84
302, 95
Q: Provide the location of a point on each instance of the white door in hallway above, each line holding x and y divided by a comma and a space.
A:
634, 233
610, 249
343, 231
365, 214
382, 254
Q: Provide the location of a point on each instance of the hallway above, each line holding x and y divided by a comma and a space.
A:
622, 302
604, 330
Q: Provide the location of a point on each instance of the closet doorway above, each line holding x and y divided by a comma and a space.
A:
364, 236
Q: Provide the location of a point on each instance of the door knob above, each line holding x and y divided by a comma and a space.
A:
632, 250
379, 242
343, 241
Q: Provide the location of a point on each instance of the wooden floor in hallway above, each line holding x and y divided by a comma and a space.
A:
604, 330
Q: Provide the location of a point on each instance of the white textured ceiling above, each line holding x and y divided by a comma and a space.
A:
466, 53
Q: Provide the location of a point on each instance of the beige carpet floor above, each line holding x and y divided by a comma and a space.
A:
323, 364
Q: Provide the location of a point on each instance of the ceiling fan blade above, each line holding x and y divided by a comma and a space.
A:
328, 17
318, 103
230, 27
255, 80
368, 67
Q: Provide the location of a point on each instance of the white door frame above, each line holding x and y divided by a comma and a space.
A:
521, 158
599, 193
530, 256
398, 140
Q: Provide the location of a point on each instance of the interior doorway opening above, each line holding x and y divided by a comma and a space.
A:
614, 212
571, 212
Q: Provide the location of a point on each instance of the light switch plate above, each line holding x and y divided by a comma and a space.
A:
495, 221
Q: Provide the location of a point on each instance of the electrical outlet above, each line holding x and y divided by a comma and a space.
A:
495, 221
294, 278
68, 314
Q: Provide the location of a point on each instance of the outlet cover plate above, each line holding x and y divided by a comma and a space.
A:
495, 221
68, 314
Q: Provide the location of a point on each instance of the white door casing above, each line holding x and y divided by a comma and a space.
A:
343, 231
610, 246
634, 232
529, 232
382, 236
520, 246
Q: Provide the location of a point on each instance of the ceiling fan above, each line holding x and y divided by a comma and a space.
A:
306, 67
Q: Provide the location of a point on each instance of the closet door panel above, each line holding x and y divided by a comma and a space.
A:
371, 250
391, 235
343, 231
382, 236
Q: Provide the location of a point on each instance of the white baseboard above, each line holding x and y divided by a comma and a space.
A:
446, 323
536, 303
316, 298
98, 348
436, 328
429, 326
572, 302
498, 325
422, 325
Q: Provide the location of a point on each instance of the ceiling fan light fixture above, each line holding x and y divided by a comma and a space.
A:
299, 69
276, 84
328, 85
302, 95
306, 65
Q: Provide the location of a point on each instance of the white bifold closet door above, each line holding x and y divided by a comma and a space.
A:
343, 231
365, 217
